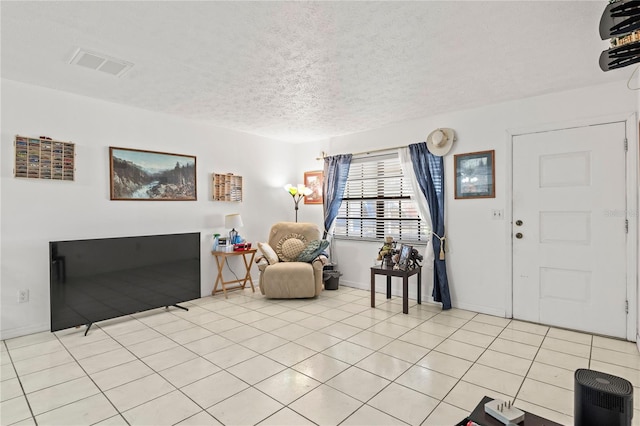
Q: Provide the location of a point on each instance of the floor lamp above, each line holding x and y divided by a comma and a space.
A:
298, 193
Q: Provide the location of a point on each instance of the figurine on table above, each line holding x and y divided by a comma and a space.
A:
386, 252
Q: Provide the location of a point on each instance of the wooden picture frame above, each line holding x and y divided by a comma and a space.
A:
475, 175
314, 181
139, 175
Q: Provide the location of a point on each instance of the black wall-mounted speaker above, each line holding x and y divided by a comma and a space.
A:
601, 399
620, 22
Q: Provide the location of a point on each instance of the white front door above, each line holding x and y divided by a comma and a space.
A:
569, 237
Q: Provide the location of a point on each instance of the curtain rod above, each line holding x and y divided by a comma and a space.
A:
324, 155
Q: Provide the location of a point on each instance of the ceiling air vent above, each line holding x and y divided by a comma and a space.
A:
100, 62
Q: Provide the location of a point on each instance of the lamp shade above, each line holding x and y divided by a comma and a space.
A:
300, 190
291, 189
304, 190
233, 221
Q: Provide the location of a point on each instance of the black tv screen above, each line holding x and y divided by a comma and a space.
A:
95, 280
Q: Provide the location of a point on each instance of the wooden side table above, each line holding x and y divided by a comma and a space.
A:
221, 257
390, 272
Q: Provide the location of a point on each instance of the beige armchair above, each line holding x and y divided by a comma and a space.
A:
283, 277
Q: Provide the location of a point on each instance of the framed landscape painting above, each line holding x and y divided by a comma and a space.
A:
151, 176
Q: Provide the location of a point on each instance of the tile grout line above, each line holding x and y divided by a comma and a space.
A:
205, 409
470, 367
114, 338
288, 405
243, 300
266, 378
65, 381
225, 369
441, 400
351, 366
24, 394
531, 365
92, 379
372, 373
390, 381
545, 383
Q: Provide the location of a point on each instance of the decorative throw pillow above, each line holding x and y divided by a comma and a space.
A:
290, 246
312, 250
268, 253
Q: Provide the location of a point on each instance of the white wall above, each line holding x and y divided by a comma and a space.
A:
35, 212
478, 254
309, 158
637, 211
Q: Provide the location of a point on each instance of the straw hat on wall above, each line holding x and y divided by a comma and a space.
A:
440, 141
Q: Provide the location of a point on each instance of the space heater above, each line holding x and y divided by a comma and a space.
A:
601, 399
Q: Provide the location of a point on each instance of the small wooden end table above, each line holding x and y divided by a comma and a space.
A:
221, 258
390, 272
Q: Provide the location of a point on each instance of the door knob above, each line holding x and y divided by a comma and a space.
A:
518, 222
519, 235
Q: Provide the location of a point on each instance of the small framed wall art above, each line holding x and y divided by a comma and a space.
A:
151, 176
475, 175
313, 181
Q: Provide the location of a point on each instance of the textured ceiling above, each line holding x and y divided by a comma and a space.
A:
303, 71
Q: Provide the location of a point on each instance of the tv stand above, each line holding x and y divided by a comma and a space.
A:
178, 306
166, 307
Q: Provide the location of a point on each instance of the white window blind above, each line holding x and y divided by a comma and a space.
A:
377, 202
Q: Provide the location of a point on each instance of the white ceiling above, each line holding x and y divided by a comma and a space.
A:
303, 71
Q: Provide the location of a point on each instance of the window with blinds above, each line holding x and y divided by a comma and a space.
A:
377, 202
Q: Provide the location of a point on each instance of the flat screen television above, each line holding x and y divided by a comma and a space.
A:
99, 279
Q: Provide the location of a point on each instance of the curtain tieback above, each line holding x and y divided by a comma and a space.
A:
441, 244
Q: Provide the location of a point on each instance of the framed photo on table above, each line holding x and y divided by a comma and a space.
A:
475, 175
403, 260
313, 181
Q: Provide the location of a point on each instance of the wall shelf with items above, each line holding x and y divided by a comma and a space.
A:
44, 158
227, 187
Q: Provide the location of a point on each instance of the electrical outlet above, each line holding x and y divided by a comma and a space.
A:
497, 214
23, 296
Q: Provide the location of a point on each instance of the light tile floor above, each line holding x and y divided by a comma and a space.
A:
332, 360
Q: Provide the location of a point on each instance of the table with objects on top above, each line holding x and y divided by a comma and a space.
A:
390, 272
221, 258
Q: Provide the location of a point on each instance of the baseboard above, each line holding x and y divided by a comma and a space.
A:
380, 288
354, 284
496, 312
23, 331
